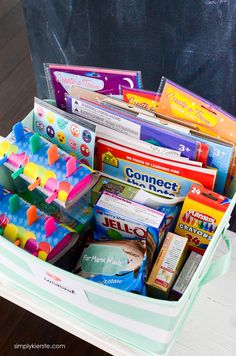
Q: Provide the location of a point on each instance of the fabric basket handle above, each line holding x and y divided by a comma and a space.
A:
220, 265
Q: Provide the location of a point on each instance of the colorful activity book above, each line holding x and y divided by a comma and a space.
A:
220, 152
187, 106
138, 145
170, 179
107, 81
134, 127
220, 156
142, 98
71, 133
149, 100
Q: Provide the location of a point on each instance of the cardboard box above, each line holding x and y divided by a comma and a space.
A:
169, 262
185, 276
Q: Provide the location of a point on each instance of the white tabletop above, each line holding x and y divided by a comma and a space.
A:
210, 329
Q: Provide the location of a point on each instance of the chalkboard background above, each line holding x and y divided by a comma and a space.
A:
190, 42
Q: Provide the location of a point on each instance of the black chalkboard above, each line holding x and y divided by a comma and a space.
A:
190, 42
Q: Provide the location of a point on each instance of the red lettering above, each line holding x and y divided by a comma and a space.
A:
113, 223
138, 231
127, 229
106, 222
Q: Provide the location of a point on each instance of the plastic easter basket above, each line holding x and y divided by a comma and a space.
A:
119, 322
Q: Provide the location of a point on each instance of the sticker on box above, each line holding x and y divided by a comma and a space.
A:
169, 261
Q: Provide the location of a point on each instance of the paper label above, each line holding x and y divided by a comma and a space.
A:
130, 209
68, 79
144, 101
181, 103
95, 114
40, 274
59, 285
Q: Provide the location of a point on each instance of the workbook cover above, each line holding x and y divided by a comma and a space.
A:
145, 99
187, 106
142, 146
220, 156
134, 127
60, 78
154, 174
134, 109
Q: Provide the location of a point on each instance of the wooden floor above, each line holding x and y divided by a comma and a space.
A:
17, 90
17, 87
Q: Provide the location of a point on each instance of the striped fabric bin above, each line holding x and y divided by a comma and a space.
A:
120, 322
143, 324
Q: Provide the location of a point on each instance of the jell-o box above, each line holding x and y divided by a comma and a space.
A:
167, 266
117, 218
200, 215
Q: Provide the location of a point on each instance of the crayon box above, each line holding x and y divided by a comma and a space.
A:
201, 213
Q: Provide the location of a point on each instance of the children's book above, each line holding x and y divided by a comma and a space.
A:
149, 101
138, 145
170, 179
71, 133
134, 127
107, 81
187, 106
221, 154
143, 98
131, 109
